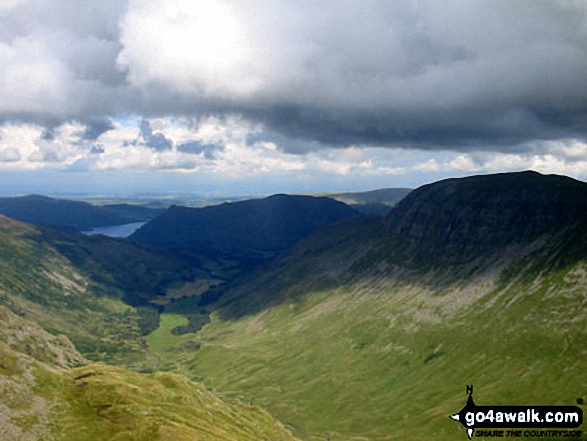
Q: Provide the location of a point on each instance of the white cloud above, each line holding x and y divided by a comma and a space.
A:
430, 165
572, 163
30, 80
463, 162
7, 6
9, 154
224, 149
200, 47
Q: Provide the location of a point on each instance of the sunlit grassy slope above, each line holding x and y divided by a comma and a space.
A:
38, 283
100, 402
343, 339
391, 361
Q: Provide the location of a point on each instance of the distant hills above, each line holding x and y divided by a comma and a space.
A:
250, 231
384, 196
372, 203
43, 210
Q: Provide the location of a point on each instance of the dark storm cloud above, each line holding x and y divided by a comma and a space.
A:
494, 75
196, 147
300, 130
95, 128
287, 139
48, 134
97, 150
156, 141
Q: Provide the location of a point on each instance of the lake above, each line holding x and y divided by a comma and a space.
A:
124, 230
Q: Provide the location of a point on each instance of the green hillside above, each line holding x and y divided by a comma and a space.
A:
40, 284
367, 330
43, 401
51, 391
344, 338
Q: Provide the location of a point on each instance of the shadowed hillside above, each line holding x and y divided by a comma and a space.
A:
42, 210
250, 231
463, 219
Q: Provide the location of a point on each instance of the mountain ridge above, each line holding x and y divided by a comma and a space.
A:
370, 328
44, 210
252, 230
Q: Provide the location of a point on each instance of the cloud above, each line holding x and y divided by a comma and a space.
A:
373, 73
9, 154
96, 128
97, 149
48, 134
475, 76
196, 148
156, 141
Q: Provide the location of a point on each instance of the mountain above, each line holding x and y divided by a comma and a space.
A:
40, 284
149, 279
372, 203
371, 329
384, 196
142, 274
249, 230
56, 321
43, 210
368, 328
461, 219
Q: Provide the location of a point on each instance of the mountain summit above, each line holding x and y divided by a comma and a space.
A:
458, 219
252, 229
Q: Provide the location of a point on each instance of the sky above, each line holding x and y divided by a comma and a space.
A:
258, 97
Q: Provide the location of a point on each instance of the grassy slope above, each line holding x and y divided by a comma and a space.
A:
42, 400
140, 273
100, 402
388, 356
38, 283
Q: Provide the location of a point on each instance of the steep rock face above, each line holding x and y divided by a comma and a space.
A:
458, 219
247, 229
27, 337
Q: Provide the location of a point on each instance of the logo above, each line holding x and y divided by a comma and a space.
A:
513, 419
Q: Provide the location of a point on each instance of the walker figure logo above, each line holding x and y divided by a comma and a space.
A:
510, 418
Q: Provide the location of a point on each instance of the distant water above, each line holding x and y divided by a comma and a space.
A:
124, 230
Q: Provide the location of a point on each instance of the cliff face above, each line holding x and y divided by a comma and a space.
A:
459, 219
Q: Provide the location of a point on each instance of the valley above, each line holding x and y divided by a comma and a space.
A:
347, 327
